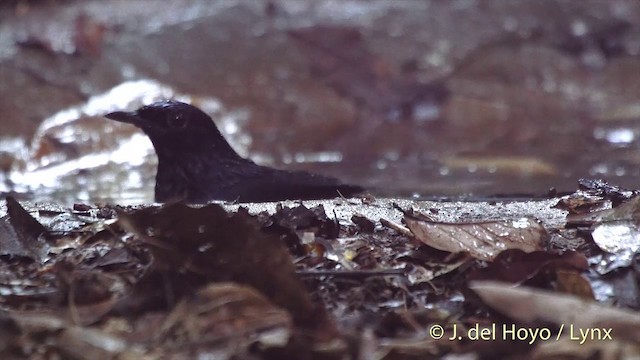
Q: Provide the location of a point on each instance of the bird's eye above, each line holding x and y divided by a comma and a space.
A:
177, 121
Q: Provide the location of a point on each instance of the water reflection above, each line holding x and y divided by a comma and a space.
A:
77, 156
616, 136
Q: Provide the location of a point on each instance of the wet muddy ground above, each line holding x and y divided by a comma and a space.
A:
407, 98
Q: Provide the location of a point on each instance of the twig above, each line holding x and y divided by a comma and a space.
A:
397, 227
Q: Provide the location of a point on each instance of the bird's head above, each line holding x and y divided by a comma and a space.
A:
175, 126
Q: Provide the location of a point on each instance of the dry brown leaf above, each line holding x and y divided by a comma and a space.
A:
572, 282
90, 343
482, 240
572, 314
21, 234
221, 311
566, 348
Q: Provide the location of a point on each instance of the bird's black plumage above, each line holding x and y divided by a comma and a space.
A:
196, 164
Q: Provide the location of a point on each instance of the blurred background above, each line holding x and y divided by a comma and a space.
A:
410, 98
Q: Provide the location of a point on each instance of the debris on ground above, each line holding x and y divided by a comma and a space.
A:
345, 278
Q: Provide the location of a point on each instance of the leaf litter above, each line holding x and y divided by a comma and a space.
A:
311, 280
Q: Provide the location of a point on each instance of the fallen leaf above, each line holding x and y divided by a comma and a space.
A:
616, 231
208, 244
572, 282
482, 240
222, 311
516, 266
629, 210
617, 237
20, 233
528, 305
566, 348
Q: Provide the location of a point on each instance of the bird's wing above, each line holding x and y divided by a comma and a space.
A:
258, 183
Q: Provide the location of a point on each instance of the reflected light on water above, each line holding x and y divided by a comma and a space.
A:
134, 150
617, 136
319, 157
313, 157
72, 159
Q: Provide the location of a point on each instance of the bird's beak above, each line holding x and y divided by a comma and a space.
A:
129, 117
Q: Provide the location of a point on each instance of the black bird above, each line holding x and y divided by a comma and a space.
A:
196, 164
